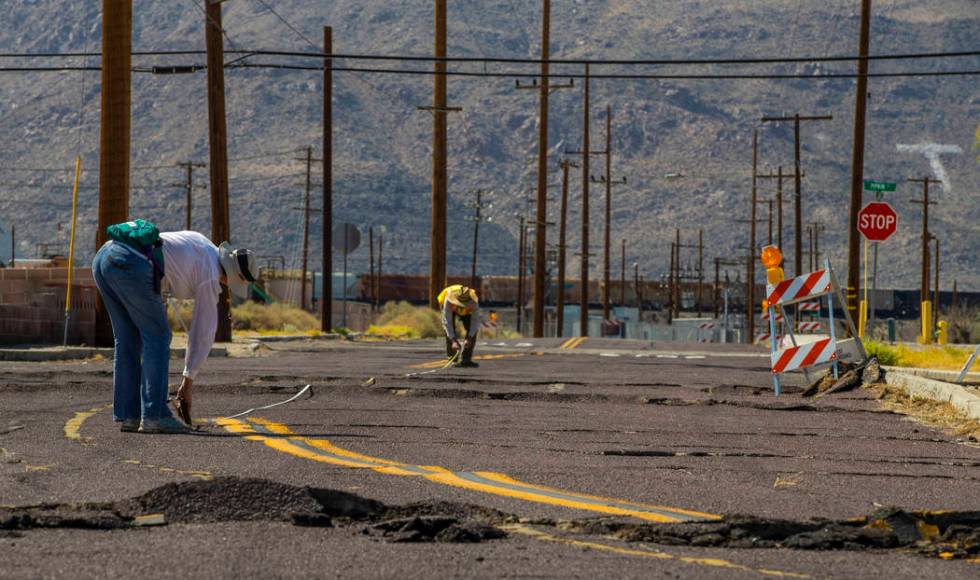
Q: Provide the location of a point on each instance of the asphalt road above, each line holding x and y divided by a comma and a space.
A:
553, 435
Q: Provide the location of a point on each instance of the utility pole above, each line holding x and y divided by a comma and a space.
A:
520, 273
857, 164
672, 281
374, 299
540, 233
622, 277
636, 287
326, 228
439, 110
586, 153
935, 301
701, 267
750, 274
607, 180
114, 134
769, 202
476, 219
381, 252
565, 164
717, 281
544, 89
306, 226
188, 185
815, 229
798, 184
924, 287
778, 176
218, 146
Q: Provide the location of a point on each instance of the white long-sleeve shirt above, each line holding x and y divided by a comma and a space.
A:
192, 272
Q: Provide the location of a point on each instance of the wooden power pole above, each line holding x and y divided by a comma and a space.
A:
750, 274
188, 185
798, 185
924, 287
560, 323
326, 227
114, 133
607, 240
306, 226
540, 233
218, 145
857, 164
439, 110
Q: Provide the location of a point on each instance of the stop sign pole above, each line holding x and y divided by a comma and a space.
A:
877, 221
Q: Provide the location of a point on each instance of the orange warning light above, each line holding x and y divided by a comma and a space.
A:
771, 257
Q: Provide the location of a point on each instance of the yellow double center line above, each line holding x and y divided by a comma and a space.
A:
573, 342
279, 437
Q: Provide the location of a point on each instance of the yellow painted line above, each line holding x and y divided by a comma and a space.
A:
568, 342
73, 428
504, 478
574, 342
526, 530
324, 451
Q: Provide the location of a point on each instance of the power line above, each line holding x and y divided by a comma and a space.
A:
488, 74
530, 61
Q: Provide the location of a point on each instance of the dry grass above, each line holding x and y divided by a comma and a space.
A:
261, 319
948, 358
927, 411
401, 320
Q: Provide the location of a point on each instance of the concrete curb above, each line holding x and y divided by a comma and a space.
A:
80, 352
921, 387
935, 374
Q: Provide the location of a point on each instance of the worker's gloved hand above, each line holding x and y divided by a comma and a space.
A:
183, 402
455, 345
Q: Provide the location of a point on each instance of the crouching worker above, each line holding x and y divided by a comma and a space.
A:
129, 271
458, 301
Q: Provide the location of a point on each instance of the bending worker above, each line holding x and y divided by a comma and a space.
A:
129, 271
458, 301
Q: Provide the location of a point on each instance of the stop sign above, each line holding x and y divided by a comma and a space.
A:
877, 221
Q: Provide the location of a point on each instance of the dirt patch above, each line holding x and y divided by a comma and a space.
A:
927, 411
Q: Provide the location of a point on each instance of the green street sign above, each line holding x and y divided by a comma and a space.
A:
878, 185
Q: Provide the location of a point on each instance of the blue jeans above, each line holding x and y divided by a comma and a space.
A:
141, 332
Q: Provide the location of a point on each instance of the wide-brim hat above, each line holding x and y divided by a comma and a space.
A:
238, 264
464, 297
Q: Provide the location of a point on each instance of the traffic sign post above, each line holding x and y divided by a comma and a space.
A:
877, 221
346, 239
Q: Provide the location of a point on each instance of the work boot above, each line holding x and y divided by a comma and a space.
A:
165, 425
129, 425
468, 364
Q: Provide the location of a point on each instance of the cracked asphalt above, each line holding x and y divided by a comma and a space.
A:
622, 431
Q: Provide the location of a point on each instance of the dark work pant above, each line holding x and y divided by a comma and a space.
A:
467, 352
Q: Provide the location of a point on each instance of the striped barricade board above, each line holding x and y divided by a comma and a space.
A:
803, 291
767, 316
800, 288
805, 355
